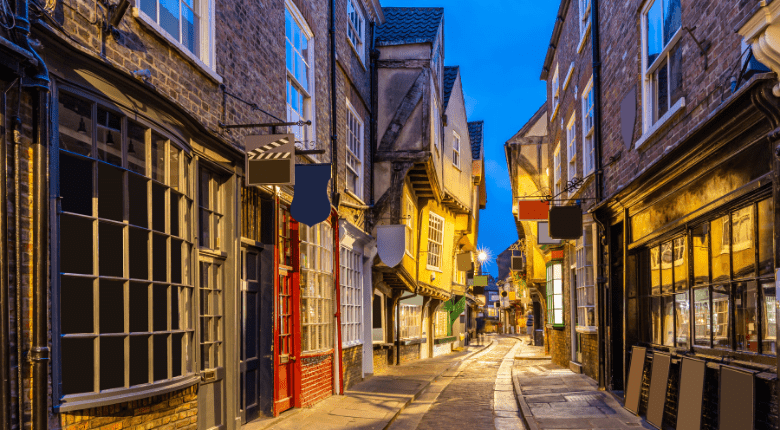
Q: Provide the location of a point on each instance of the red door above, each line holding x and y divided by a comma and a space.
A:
287, 313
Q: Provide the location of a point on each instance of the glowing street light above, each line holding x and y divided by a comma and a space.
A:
484, 255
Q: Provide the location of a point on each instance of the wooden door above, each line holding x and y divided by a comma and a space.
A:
250, 334
287, 329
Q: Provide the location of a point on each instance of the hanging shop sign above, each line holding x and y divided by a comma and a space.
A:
465, 262
390, 243
269, 159
480, 280
311, 204
543, 234
518, 263
565, 222
532, 210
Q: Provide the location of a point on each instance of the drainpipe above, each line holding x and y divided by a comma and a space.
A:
37, 79
333, 105
602, 299
5, 365
374, 54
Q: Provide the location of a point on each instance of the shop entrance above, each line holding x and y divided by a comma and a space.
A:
287, 329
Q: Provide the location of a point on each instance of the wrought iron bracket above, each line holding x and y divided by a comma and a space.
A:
255, 107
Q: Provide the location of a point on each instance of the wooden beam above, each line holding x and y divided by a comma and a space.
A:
404, 111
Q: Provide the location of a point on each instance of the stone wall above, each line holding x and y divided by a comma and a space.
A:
590, 355
352, 365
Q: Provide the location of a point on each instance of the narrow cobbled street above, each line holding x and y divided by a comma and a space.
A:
477, 395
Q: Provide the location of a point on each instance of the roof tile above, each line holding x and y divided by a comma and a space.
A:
450, 73
409, 25
476, 137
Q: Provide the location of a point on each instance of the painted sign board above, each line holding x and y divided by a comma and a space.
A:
532, 210
543, 234
480, 280
269, 159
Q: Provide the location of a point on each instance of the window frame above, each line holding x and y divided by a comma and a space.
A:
357, 45
571, 146
409, 230
434, 244
383, 300
351, 283
308, 94
650, 123
588, 148
555, 92
410, 321
184, 289
359, 137
557, 172
439, 327
584, 12
322, 268
456, 149
551, 308
585, 284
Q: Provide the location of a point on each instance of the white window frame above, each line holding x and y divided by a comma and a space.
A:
317, 240
557, 171
584, 12
588, 151
303, 135
435, 241
410, 226
585, 276
356, 136
440, 324
205, 56
555, 92
650, 125
353, 32
410, 321
351, 274
571, 146
455, 149
555, 288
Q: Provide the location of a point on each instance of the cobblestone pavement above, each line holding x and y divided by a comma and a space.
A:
552, 397
478, 395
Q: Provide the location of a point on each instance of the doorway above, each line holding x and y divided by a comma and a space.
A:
614, 340
287, 327
255, 342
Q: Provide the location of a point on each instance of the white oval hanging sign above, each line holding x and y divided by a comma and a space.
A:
390, 243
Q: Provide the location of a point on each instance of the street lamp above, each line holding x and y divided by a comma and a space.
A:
483, 257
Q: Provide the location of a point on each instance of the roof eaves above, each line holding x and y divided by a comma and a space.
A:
556, 35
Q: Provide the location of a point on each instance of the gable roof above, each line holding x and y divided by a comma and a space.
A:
404, 25
450, 74
475, 135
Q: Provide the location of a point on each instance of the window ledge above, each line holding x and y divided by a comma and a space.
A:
442, 340
433, 269
412, 341
583, 38
93, 400
357, 54
351, 345
147, 22
587, 329
655, 128
555, 112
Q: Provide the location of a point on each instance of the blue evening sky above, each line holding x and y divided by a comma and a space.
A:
500, 47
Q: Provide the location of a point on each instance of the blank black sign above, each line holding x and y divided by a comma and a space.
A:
634, 387
736, 399
658, 382
691, 391
565, 222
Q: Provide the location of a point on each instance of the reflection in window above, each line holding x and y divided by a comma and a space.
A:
720, 317
746, 296
770, 319
701, 313
682, 316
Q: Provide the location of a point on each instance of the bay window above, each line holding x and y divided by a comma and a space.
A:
661, 60
123, 258
316, 283
586, 292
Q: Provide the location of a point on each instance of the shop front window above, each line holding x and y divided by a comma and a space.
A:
316, 283
123, 258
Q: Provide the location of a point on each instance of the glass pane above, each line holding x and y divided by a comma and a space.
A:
176, 348
75, 124
189, 30
205, 359
76, 184
655, 271
136, 147
139, 360
112, 309
668, 317
75, 244
149, 7
682, 308
675, 73
109, 137
654, 31
720, 317
158, 157
174, 215
160, 361
138, 194
174, 167
158, 207
672, 19
743, 254
745, 299
661, 83
159, 258
112, 362
138, 311
666, 267
721, 263
701, 259
139, 253
765, 228
111, 250
176, 261
701, 297
769, 328
169, 17
77, 365
160, 307
680, 262
203, 189
175, 314
110, 192
76, 305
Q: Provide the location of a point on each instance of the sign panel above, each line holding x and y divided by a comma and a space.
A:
658, 383
532, 210
480, 280
566, 222
737, 399
391, 243
634, 387
518, 263
269, 159
543, 234
691, 393
464, 262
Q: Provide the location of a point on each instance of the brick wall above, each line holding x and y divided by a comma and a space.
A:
442, 348
558, 352
410, 353
381, 361
590, 355
352, 363
175, 410
316, 378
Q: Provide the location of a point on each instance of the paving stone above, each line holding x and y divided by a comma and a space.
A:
558, 423
556, 412
508, 424
544, 399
